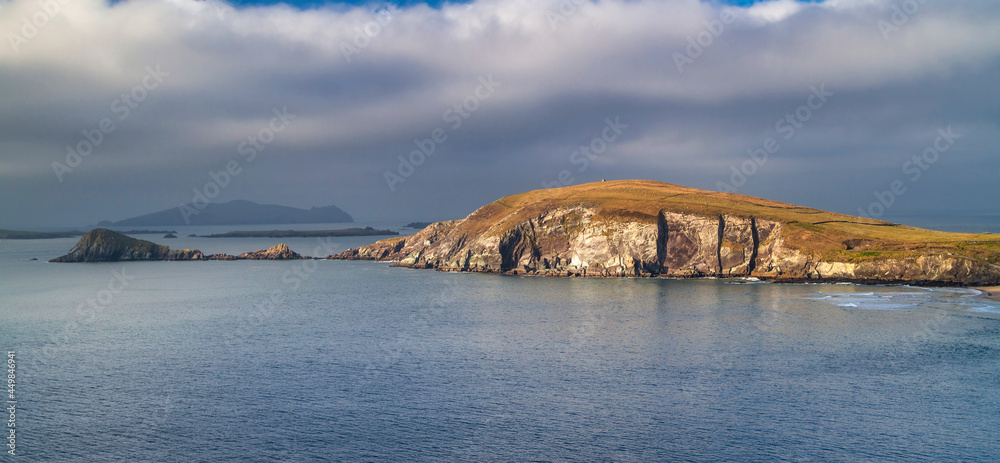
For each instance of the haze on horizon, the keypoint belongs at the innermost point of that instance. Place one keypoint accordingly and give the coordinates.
(848, 98)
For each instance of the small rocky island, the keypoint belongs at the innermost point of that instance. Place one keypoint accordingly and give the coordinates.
(642, 228)
(101, 245)
(367, 231)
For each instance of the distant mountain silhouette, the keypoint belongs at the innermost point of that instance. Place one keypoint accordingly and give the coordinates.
(239, 212)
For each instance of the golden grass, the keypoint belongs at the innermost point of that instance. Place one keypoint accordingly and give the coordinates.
(806, 228)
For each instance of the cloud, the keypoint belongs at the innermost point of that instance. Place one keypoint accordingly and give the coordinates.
(698, 83)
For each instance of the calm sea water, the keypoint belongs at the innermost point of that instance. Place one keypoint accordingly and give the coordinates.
(356, 361)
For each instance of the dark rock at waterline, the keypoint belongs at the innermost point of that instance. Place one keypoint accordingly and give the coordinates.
(102, 245)
(641, 228)
(279, 252)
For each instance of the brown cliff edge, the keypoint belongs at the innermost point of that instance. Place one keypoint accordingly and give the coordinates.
(641, 228)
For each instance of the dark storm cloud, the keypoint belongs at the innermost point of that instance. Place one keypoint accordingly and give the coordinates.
(692, 111)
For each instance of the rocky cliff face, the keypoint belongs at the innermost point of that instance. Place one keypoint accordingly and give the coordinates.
(586, 239)
(570, 242)
(101, 245)
(279, 252)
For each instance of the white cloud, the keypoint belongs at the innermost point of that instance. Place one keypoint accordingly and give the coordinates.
(774, 11)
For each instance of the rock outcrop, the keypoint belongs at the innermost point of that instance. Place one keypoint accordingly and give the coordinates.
(648, 229)
(101, 245)
(184, 254)
(279, 252)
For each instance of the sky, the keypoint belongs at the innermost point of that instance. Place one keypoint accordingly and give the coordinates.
(410, 111)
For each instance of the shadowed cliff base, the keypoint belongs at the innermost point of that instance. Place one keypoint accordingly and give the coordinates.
(643, 228)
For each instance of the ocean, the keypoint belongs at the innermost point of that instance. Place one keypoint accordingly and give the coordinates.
(355, 361)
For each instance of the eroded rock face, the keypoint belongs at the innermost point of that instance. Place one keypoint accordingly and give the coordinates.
(184, 254)
(572, 241)
(576, 241)
(279, 252)
(927, 269)
(102, 245)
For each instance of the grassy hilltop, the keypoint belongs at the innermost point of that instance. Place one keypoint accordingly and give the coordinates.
(648, 228)
(837, 236)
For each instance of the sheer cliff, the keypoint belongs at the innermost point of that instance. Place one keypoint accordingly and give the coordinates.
(644, 229)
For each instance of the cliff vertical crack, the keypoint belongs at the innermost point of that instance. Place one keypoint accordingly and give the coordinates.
(718, 249)
(508, 249)
(662, 236)
(756, 242)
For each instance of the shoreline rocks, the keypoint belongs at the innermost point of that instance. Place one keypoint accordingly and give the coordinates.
(278, 252)
(102, 245)
(674, 232)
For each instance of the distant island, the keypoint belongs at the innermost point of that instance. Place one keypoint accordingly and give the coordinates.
(32, 235)
(239, 212)
(643, 228)
(146, 232)
(367, 231)
(101, 245)
(417, 225)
